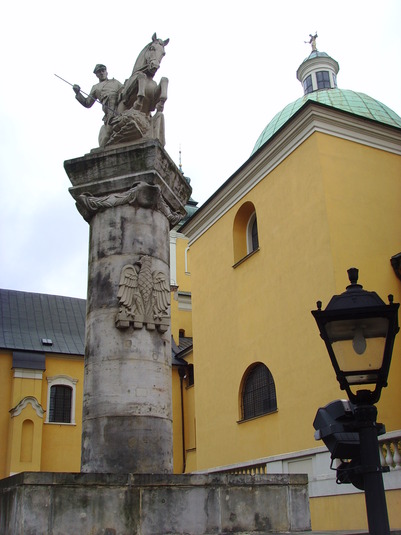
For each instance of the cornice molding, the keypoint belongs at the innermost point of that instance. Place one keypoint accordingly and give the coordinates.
(311, 118)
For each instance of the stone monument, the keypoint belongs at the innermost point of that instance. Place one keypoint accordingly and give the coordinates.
(131, 194)
(127, 108)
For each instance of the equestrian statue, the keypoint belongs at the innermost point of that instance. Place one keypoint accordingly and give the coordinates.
(128, 107)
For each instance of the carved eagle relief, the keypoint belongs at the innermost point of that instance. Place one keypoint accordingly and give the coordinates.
(144, 297)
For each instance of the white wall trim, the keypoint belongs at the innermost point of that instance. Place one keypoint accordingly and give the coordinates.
(28, 400)
(62, 380)
(24, 373)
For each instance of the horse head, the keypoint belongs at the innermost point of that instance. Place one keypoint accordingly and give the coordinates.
(150, 58)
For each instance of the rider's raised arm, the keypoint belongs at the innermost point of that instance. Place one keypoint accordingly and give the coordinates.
(88, 101)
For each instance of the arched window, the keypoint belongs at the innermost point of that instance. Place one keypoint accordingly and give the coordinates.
(61, 399)
(245, 232)
(258, 392)
(252, 234)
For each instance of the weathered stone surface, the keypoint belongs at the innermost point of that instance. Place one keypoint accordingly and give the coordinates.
(153, 504)
(116, 170)
(130, 197)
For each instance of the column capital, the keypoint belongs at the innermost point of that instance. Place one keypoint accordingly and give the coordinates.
(115, 173)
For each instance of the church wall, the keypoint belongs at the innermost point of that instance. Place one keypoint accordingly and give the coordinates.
(190, 421)
(61, 444)
(177, 423)
(364, 215)
(259, 311)
(5, 404)
(349, 511)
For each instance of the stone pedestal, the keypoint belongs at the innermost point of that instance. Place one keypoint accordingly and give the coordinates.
(111, 504)
(131, 197)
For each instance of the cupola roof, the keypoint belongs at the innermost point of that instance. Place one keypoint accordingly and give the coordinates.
(318, 76)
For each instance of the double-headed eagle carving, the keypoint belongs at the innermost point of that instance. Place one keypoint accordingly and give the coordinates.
(144, 297)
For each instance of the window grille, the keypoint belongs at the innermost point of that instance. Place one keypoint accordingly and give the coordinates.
(259, 393)
(60, 404)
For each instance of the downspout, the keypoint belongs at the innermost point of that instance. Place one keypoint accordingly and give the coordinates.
(182, 374)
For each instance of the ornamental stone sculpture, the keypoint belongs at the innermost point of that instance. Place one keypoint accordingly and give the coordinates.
(128, 107)
(144, 297)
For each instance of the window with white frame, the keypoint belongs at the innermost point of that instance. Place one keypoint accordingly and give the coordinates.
(61, 394)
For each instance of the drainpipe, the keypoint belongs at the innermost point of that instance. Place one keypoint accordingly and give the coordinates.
(182, 374)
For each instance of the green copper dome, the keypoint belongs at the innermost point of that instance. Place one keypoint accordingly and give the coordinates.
(342, 99)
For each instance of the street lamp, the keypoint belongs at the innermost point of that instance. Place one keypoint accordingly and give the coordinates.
(359, 329)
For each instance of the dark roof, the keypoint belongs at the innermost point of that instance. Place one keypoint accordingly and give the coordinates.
(31, 322)
(41, 322)
(178, 352)
(29, 360)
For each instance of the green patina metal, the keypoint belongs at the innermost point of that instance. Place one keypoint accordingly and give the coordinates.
(342, 99)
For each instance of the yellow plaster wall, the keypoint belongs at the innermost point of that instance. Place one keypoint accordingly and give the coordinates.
(178, 463)
(23, 387)
(61, 445)
(348, 512)
(260, 311)
(190, 421)
(5, 403)
(18, 442)
(363, 208)
(188, 442)
(181, 320)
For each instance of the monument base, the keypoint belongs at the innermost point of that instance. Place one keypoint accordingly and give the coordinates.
(38, 503)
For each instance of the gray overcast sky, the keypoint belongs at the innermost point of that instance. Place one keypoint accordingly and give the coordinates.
(231, 66)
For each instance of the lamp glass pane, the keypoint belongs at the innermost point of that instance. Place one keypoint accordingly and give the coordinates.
(347, 328)
(367, 363)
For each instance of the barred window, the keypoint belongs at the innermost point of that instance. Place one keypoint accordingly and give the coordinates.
(60, 404)
(259, 393)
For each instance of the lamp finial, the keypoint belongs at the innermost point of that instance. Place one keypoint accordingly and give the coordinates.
(353, 275)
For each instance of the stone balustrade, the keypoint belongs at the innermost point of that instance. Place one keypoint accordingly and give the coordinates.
(390, 450)
(316, 462)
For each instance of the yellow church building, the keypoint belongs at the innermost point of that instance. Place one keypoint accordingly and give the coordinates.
(319, 194)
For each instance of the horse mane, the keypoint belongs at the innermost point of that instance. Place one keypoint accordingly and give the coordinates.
(140, 61)
(140, 64)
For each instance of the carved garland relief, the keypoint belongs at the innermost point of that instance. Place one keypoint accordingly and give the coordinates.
(140, 194)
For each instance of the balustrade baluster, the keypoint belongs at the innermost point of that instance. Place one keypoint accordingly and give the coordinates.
(389, 456)
(396, 455)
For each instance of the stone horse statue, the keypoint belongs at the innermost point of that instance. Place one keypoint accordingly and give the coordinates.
(139, 97)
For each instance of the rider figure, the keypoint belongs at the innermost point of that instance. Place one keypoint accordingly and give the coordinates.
(106, 92)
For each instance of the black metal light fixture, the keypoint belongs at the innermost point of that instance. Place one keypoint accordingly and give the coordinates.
(359, 329)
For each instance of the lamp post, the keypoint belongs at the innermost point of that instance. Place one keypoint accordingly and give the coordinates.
(359, 329)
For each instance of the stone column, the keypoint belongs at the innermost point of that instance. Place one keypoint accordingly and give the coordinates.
(130, 196)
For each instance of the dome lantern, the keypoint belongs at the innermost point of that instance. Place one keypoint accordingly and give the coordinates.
(318, 70)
